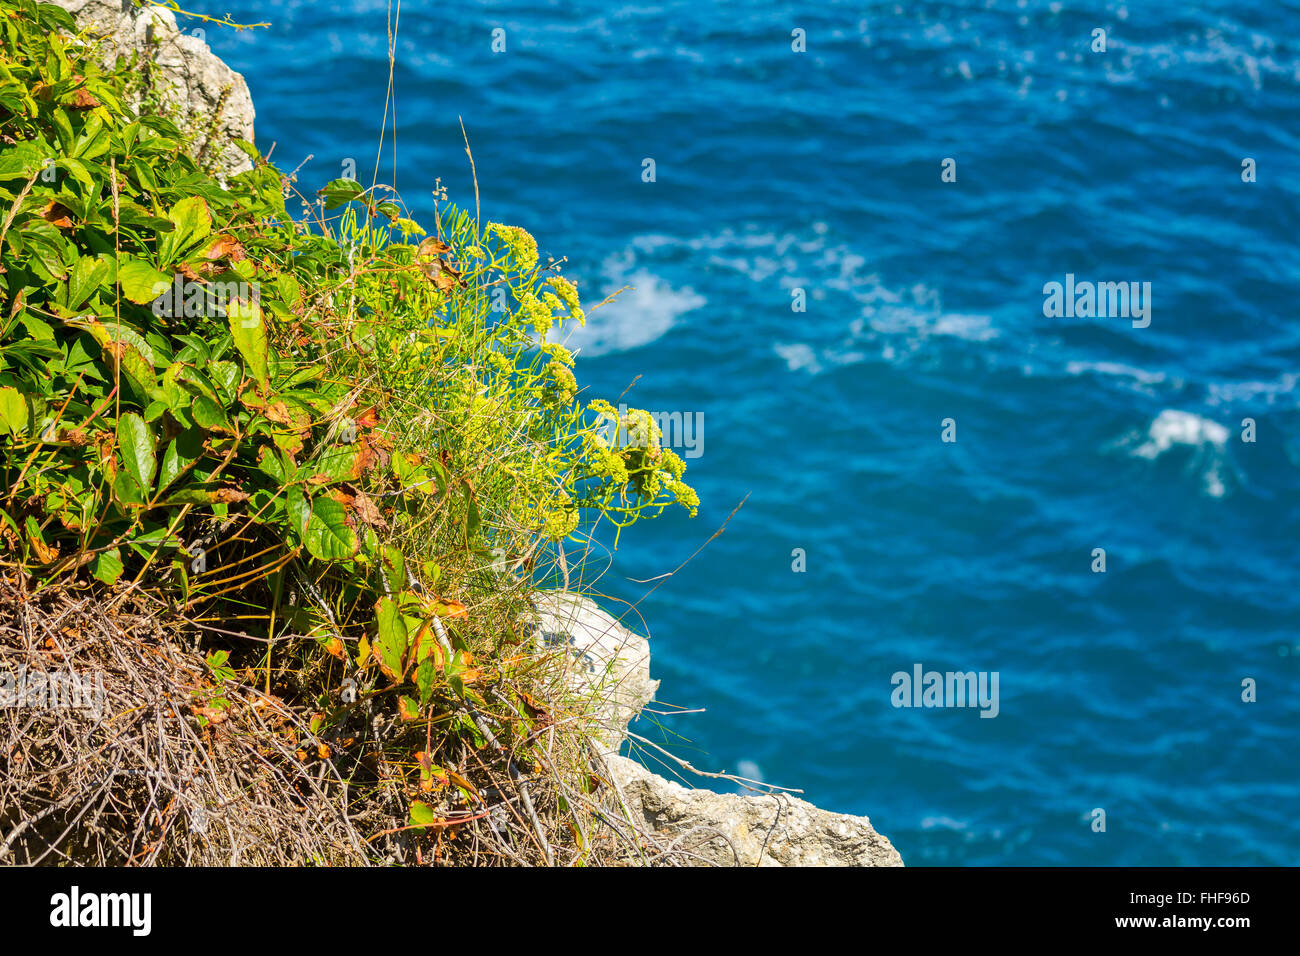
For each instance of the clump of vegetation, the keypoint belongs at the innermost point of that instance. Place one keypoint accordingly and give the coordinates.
(338, 451)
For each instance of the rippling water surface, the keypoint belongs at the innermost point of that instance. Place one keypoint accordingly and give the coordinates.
(820, 171)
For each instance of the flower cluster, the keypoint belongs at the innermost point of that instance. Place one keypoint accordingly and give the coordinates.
(562, 385)
(568, 295)
(522, 246)
(639, 461)
(533, 311)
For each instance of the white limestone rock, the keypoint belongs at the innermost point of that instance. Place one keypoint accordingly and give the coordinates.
(610, 666)
(726, 829)
(210, 99)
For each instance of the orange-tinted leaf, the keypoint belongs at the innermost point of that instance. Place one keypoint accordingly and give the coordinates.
(56, 214)
(445, 607)
(368, 512)
(82, 100)
(44, 553)
(278, 412)
(407, 708)
(432, 247)
(425, 645)
(365, 460)
(214, 715)
(226, 247)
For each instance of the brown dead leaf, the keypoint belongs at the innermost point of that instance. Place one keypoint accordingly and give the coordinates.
(44, 553)
(432, 246)
(279, 413)
(83, 100)
(215, 715)
(365, 459)
(226, 247)
(368, 512)
(443, 275)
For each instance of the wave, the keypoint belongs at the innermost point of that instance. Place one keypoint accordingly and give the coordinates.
(645, 309)
(1207, 438)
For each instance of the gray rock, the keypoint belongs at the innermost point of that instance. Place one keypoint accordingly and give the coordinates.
(609, 666)
(723, 829)
(206, 98)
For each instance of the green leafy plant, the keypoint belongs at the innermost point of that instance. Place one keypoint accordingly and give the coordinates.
(325, 431)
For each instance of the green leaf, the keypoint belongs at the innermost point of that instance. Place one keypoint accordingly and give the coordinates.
(190, 496)
(43, 244)
(298, 508)
(270, 463)
(141, 282)
(139, 454)
(472, 520)
(425, 675)
(127, 492)
(391, 640)
(432, 572)
(193, 222)
(248, 329)
(93, 141)
(13, 412)
(107, 566)
(329, 537)
(225, 376)
(78, 171)
(208, 414)
(422, 814)
(20, 161)
(394, 566)
(336, 463)
(339, 191)
(182, 451)
(88, 274)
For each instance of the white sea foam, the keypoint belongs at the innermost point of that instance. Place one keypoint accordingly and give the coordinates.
(942, 823)
(1235, 393)
(1209, 439)
(1172, 427)
(636, 317)
(799, 357)
(1116, 370)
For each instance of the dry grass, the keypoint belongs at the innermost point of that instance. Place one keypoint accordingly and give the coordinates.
(138, 778)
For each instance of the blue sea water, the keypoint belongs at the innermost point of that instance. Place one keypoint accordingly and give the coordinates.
(820, 171)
